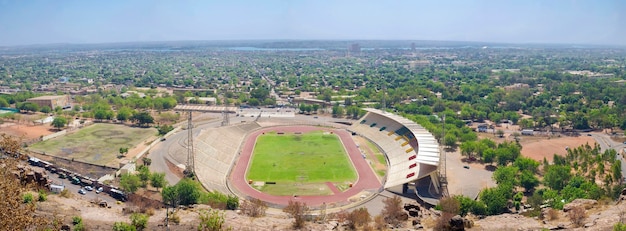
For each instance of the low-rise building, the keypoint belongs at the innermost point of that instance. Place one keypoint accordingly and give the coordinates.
(52, 101)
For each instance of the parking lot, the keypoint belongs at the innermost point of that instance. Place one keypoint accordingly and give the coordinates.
(73, 188)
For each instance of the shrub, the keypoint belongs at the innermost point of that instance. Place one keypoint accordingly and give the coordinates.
(232, 202)
(553, 214)
(174, 218)
(392, 210)
(77, 220)
(139, 220)
(619, 227)
(358, 217)
(211, 220)
(123, 226)
(78, 223)
(79, 227)
(577, 215)
(42, 196)
(379, 222)
(254, 207)
(297, 210)
(28, 198)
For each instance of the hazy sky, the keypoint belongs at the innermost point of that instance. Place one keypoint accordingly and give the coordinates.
(521, 21)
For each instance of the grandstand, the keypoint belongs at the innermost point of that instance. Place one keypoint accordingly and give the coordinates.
(412, 152)
(215, 151)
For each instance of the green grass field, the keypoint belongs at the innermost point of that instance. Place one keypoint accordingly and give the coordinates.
(313, 157)
(96, 144)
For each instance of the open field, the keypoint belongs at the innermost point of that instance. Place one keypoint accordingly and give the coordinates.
(538, 148)
(313, 157)
(27, 132)
(96, 144)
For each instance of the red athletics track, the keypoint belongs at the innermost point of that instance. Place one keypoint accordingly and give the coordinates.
(366, 178)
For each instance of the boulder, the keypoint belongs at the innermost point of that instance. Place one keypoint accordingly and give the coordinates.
(408, 207)
(418, 226)
(586, 203)
(413, 212)
(457, 223)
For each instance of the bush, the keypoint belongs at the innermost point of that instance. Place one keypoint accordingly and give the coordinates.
(379, 222)
(392, 210)
(77, 220)
(553, 214)
(78, 223)
(297, 210)
(358, 217)
(174, 218)
(66, 193)
(42, 196)
(123, 226)
(577, 215)
(79, 227)
(28, 198)
(232, 202)
(139, 220)
(619, 227)
(468, 205)
(211, 220)
(254, 207)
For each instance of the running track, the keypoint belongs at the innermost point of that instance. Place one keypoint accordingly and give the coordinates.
(367, 180)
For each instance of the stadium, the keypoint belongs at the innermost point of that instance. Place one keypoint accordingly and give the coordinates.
(223, 155)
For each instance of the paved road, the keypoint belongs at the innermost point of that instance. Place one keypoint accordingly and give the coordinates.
(605, 142)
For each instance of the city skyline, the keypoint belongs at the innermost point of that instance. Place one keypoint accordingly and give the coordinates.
(560, 22)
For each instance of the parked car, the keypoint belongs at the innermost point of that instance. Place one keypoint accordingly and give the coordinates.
(99, 190)
(88, 188)
(82, 191)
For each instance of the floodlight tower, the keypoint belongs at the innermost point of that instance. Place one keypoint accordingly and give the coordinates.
(190, 156)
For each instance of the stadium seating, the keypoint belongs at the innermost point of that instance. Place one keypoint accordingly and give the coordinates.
(215, 152)
(412, 152)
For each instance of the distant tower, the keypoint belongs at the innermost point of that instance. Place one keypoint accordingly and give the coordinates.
(413, 47)
(354, 48)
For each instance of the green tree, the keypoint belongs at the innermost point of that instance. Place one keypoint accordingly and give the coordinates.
(139, 220)
(506, 175)
(468, 149)
(449, 140)
(4, 102)
(557, 176)
(188, 191)
(525, 163)
(143, 118)
(528, 180)
(489, 156)
(157, 180)
(130, 183)
(59, 122)
(170, 196)
(124, 114)
(45, 109)
(495, 199)
(144, 175)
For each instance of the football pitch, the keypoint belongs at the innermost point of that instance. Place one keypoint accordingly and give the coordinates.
(95, 144)
(312, 157)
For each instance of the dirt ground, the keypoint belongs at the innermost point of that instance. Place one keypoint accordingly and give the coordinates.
(27, 132)
(540, 147)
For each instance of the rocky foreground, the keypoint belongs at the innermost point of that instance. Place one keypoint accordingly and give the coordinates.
(598, 216)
